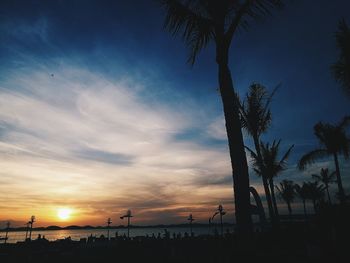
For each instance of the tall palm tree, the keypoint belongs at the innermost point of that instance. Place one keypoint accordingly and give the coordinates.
(256, 119)
(287, 193)
(341, 69)
(326, 178)
(200, 22)
(303, 192)
(334, 141)
(271, 166)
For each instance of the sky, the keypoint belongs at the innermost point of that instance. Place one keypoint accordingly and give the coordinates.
(99, 112)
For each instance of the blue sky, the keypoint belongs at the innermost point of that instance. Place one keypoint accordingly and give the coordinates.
(97, 102)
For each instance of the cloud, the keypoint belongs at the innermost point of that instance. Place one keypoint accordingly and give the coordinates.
(217, 129)
(74, 135)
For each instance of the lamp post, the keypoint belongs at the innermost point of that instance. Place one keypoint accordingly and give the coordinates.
(209, 221)
(108, 224)
(221, 212)
(128, 216)
(7, 231)
(32, 220)
(191, 219)
(27, 229)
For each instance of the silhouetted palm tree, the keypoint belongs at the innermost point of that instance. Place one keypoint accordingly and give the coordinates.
(303, 193)
(315, 193)
(334, 141)
(287, 193)
(202, 21)
(341, 69)
(326, 178)
(256, 119)
(271, 166)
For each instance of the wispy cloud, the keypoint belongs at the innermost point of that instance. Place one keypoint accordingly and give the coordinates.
(70, 135)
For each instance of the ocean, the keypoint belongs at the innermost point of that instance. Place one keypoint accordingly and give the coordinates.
(77, 234)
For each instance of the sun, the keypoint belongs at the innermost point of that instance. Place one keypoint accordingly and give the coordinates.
(64, 213)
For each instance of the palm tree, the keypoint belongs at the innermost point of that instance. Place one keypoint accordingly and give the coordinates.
(341, 69)
(303, 193)
(315, 193)
(202, 21)
(256, 119)
(326, 178)
(271, 166)
(287, 193)
(334, 141)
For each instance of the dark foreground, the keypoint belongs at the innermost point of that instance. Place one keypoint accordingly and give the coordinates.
(325, 239)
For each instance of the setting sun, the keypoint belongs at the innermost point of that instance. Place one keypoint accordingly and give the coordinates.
(64, 213)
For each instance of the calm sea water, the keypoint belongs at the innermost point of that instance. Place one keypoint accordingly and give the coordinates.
(52, 235)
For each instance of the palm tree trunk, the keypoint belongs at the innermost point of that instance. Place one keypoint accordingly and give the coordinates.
(264, 179)
(329, 197)
(272, 190)
(289, 210)
(304, 204)
(314, 203)
(340, 185)
(236, 145)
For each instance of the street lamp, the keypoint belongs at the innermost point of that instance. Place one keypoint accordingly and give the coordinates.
(7, 231)
(128, 216)
(109, 221)
(31, 222)
(191, 219)
(221, 212)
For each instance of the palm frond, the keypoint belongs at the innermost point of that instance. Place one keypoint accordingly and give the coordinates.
(316, 177)
(197, 29)
(255, 112)
(345, 122)
(341, 69)
(252, 153)
(241, 12)
(286, 155)
(311, 157)
(269, 99)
